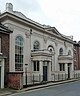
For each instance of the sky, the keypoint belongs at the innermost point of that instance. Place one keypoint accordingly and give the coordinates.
(62, 14)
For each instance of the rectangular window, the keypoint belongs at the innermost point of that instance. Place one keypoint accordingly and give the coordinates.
(36, 65)
(62, 67)
(18, 62)
(51, 65)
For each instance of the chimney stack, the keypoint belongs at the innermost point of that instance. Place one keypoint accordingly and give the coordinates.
(9, 7)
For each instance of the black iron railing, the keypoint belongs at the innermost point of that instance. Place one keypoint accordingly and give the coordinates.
(54, 77)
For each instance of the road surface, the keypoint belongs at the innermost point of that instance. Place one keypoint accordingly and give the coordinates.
(68, 89)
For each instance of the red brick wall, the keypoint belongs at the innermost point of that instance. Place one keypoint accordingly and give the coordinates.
(77, 57)
(5, 50)
(14, 80)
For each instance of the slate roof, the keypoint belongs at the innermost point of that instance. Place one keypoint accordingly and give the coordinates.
(4, 29)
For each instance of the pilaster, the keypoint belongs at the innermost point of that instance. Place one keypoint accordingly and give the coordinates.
(2, 74)
(49, 71)
(41, 70)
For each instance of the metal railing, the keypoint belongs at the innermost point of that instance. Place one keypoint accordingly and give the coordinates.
(76, 75)
(55, 77)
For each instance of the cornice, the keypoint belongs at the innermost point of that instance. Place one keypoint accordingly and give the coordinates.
(32, 24)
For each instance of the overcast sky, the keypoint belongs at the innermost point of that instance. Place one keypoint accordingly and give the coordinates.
(62, 14)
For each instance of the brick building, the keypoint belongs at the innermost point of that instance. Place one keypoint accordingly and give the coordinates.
(77, 56)
(4, 54)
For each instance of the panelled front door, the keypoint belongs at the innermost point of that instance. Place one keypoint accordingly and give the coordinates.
(68, 71)
(44, 73)
(0, 77)
(26, 75)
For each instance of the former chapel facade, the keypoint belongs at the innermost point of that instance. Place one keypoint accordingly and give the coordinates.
(36, 50)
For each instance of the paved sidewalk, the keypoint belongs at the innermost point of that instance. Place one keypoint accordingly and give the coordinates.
(8, 91)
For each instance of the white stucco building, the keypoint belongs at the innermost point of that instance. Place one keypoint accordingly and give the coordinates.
(37, 50)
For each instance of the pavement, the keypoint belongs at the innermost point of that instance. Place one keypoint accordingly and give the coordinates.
(8, 91)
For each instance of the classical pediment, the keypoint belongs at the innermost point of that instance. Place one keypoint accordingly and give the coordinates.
(53, 30)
